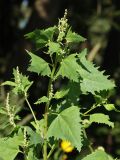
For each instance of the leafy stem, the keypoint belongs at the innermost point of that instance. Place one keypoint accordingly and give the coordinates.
(46, 111)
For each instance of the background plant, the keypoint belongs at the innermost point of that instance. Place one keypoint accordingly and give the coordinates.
(64, 118)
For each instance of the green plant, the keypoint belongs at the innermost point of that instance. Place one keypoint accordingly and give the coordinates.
(64, 117)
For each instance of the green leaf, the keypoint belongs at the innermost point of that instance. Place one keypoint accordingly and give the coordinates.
(9, 147)
(35, 138)
(54, 47)
(43, 99)
(101, 118)
(110, 107)
(92, 79)
(67, 126)
(74, 93)
(3, 111)
(23, 84)
(41, 37)
(40, 128)
(31, 155)
(38, 65)
(98, 155)
(73, 37)
(62, 93)
(69, 68)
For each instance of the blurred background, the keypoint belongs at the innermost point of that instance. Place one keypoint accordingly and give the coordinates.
(96, 20)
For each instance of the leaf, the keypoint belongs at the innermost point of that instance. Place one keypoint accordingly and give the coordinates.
(40, 128)
(98, 155)
(23, 85)
(38, 65)
(35, 138)
(69, 68)
(101, 118)
(66, 126)
(74, 37)
(110, 107)
(41, 37)
(92, 79)
(9, 147)
(43, 99)
(74, 93)
(54, 47)
(62, 93)
(3, 112)
(31, 155)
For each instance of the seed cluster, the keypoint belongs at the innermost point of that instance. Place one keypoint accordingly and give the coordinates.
(9, 112)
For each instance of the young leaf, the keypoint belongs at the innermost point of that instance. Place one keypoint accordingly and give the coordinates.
(38, 65)
(69, 68)
(67, 126)
(101, 118)
(73, 37)
(54, 47)
(21, 83)
(41, 37)
(62, 93)
(110, 107)
(92, 79)
(98, 155)
(9, 147)
(43, 99)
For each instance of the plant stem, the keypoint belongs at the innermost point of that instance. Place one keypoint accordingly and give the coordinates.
(92, 108)
(46, 112)
(89, 146)
(51, 151)
(31, 110)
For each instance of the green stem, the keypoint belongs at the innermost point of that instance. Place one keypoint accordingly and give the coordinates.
(46, 112)
(89, 146)
(31, 110)
(51, 151)
(92, 108)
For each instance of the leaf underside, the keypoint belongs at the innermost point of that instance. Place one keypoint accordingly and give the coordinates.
(101, 118)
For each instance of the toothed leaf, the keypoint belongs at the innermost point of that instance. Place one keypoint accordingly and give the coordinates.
(74, 37)
(62, 93)
(101, 118)
(43, 99)
(54, 47)
(93, 80)
(9, 147)
(41, 37)
(69, 68)
(98, 155)
(38, 65)
(67, 126)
